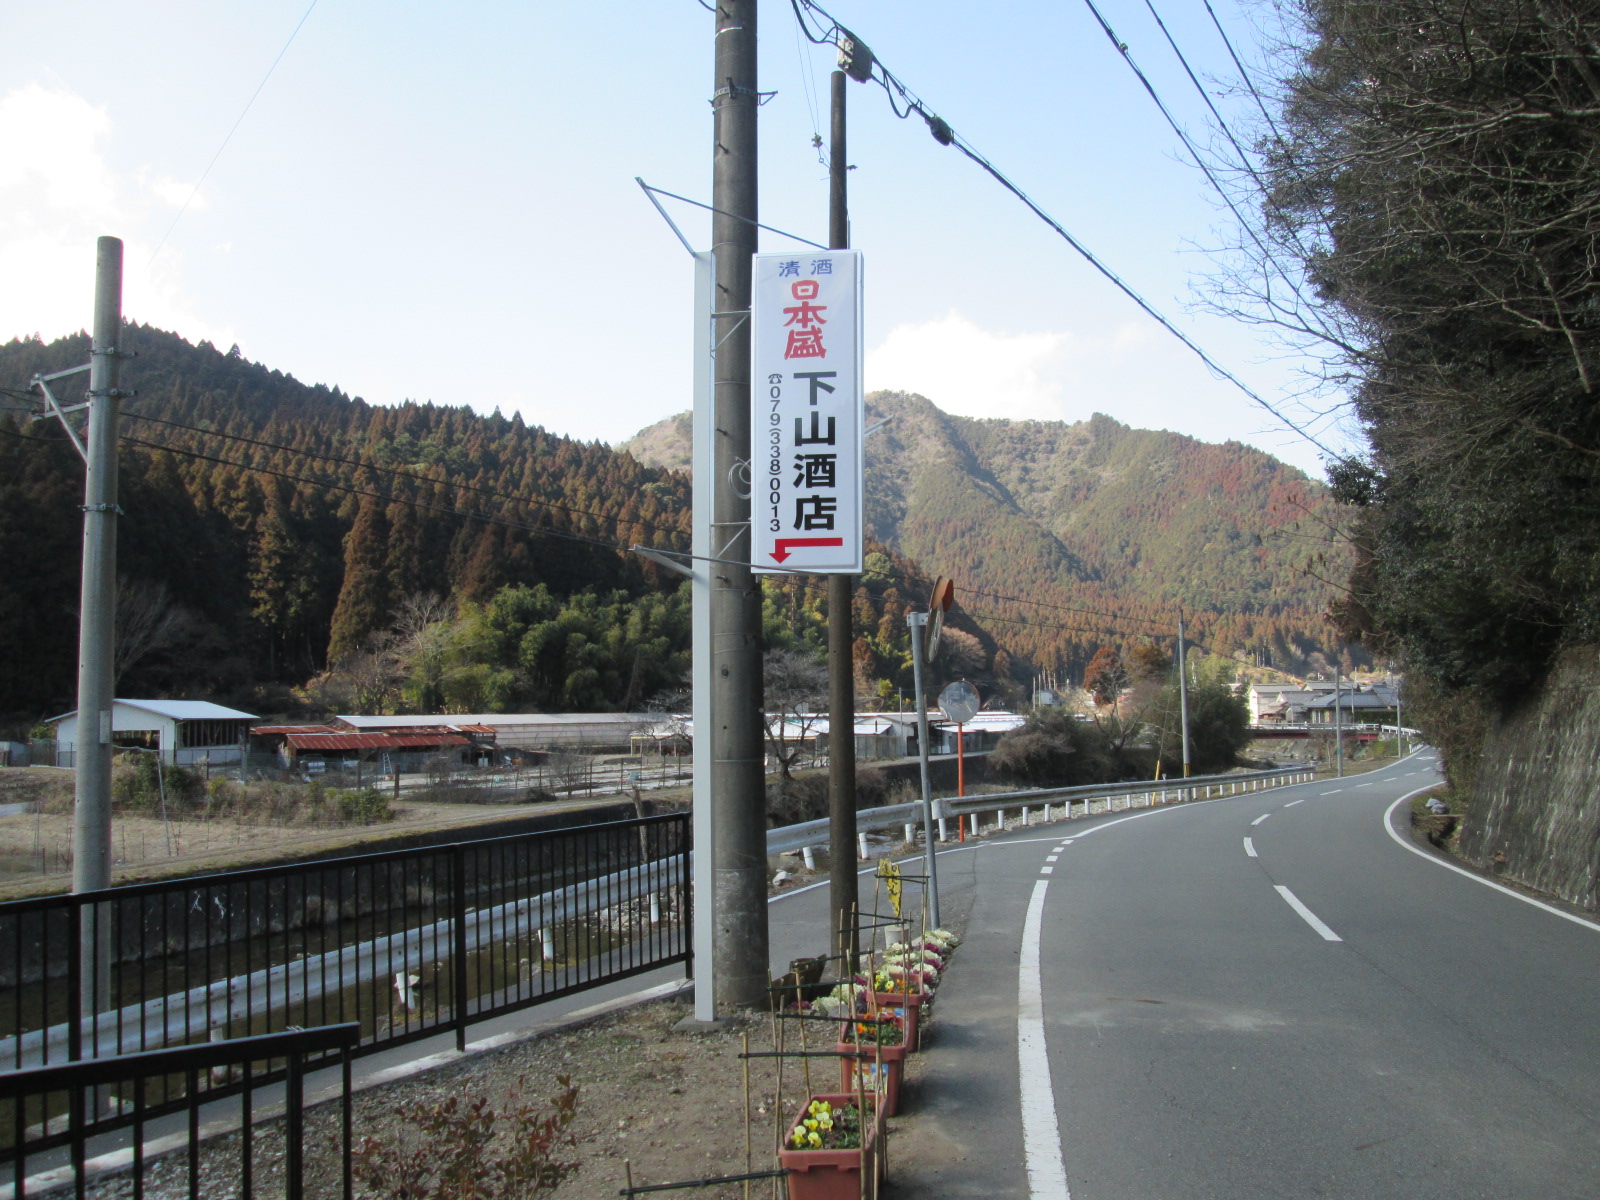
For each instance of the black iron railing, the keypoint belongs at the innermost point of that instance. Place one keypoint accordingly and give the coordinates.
(64, 1107)
(404, 945)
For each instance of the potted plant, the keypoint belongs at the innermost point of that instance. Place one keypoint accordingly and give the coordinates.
(900, 994)
(832, 1153)
(873, 1050)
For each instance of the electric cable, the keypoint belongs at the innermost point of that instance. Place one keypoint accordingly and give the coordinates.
(195, 191)
(945, 135)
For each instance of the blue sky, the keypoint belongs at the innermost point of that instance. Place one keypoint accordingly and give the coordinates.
(436, 201)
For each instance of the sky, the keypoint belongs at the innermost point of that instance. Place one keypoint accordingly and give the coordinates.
(437, 202)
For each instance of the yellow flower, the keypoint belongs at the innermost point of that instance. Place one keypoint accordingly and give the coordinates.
(815, 1139)
(809, 1123)
(819, 1106)
(824, 1122)
(799, 1139)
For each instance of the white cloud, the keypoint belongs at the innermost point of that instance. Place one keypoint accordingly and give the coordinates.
(59, 192)
(977, 372)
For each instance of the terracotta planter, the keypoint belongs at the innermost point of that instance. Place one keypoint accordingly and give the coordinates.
(890, 1060)
(908, 1007)
(836, 1174)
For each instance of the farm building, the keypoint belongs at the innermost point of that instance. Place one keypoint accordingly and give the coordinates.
(186, 732)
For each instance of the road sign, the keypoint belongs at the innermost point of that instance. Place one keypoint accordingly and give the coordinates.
(807, 413)
(960, 702)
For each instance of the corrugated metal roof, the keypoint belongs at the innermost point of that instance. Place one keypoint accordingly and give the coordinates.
(497, 720)
(373, 741)
(179, 710)
(271, 730)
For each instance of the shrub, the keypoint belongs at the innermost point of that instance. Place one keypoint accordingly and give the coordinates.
(463, 1157)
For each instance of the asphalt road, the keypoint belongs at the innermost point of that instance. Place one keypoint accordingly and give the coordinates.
(1318, 1011)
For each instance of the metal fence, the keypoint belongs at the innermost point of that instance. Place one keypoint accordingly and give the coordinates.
(48, 1110)
(405, 945)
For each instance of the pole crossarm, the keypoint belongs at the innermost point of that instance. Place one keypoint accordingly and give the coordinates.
(55, 407)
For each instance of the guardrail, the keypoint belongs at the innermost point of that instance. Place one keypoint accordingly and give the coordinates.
(45, 1109)
(908, 817)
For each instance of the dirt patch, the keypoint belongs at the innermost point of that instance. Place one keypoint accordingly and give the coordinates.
(670, 1102)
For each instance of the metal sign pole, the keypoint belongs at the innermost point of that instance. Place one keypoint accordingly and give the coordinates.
(705, 911)
(916, 621)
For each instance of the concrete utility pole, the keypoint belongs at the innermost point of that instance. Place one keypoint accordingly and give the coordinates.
(91, 818)
(1183, 693)
(1399, 726)
(843, 893)
(738, 769)
(91, 849)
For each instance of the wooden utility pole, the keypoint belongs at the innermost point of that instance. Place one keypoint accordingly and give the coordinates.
(738, 772)
(843, 894)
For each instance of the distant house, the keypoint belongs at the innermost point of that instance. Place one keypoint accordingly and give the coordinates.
(184, 732)
(1285, 703)
(1366, 707)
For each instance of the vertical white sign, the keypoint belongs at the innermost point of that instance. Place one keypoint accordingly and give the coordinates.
(807, 413)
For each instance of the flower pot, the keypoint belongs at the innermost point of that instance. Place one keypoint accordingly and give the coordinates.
(836, 1174)
(908, 1007)
(890, 1060)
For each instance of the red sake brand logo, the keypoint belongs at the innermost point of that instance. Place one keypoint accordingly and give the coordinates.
(805, 320)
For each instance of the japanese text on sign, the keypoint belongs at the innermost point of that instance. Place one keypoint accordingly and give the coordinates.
(806, 423)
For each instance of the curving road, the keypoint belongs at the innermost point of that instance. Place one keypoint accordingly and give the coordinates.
(1268, 995)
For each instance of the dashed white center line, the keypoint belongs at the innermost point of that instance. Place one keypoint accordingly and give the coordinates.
(1047, 870)
(1260, 819)
(1051, 857)
(1250, 848)
(1331, 791)
(1310, 917)
(1292, 803)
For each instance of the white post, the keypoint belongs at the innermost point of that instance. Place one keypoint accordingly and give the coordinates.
(655, 908)
(861, 844)
(808, 858)
(911, 836)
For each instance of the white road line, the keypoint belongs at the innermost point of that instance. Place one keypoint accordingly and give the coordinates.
(1052, 857)
(1041, 1131)
(1292, 803)
(1250, 848)
(1331, 791)
(1046, 870)
(1388, 825)
(1311, 918)
(1262, 818)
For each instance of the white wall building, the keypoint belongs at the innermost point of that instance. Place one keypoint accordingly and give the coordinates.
(186, 732)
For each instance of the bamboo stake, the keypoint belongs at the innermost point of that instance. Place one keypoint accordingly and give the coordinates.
(745, 1038)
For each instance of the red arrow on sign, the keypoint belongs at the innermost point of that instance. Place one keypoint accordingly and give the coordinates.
(780, 548)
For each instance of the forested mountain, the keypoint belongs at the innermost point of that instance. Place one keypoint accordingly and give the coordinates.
(286, 523)
(278, 535)
(291, 547)
(1098, 531)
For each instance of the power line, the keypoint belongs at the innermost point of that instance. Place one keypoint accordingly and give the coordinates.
(235, 129)
(900, 95)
